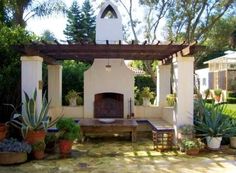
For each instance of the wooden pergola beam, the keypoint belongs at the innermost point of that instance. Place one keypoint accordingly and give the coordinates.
(86, 51)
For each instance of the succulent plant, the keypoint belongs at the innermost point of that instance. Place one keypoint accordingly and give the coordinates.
(32, 120)
(13, 145)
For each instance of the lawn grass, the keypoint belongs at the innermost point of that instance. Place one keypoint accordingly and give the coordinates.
(231, 107)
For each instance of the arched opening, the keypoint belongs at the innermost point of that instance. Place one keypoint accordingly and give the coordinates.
(109, 13)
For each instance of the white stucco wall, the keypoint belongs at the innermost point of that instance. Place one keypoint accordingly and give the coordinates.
(202, 74)
(108, 28)
(147, 112)
(97, 80)
(31, 77)
(140, 112)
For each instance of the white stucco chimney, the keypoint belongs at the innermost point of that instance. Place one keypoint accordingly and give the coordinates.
(120, 79)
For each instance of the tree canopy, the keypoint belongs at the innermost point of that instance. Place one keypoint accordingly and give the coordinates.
(80, 22)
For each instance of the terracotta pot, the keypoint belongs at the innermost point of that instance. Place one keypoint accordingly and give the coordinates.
(39, 155)
(33, 137)
(3, 131)
(217, 99)
(7, 158)
(65, 146)
(192, 152)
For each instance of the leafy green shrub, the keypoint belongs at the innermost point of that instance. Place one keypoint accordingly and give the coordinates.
(39, 146)
(189, 144)
(171, 99)
(209, 100)
(147, 93)
(232, 94)
(217, 92)
(73, 77)
(68, 129)
(231, 100)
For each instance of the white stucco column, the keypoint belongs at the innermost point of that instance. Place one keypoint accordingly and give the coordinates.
(163, 84)
(31, 78)
(184, 84)
(55, 85)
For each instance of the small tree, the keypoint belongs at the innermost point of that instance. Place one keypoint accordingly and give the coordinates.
(74, 23)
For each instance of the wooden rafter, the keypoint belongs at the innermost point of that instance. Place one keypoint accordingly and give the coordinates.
(88, 51)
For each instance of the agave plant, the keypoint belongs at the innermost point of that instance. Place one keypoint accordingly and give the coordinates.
(32, 119)
(211, 120)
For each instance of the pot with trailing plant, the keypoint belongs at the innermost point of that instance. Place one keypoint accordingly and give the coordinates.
(192, 146)
(13, 151)
(213, 124)
(217, 94)
(38, 150)
(69, 130)
(147, 95)
(71, 97)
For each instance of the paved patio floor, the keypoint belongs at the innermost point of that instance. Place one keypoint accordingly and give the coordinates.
(121, 156)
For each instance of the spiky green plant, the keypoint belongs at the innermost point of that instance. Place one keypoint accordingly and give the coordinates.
(32, 119)
(213, 122)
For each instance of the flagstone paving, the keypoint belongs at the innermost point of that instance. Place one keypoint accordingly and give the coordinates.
(112, 156)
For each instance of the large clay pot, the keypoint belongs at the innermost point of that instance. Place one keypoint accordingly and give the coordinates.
(7, 158)
(33, 137)
(39, 155)
(65, 146)
(3, 131)
(192, 152)
(213, 143)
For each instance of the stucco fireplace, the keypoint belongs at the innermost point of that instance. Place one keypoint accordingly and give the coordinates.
(109, 105)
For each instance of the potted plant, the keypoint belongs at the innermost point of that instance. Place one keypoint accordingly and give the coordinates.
(3, 131)
(186, 131)
(171, 99)
(213, 124)
(50, 141)
(69, 130)
(217, 93)
(233, 132)
(72, 97)
(13, 151)
(192, 146)
(147, 94)
(34, 125)
(38, 150)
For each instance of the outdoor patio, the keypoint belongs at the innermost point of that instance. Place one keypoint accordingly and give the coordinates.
(120, 155)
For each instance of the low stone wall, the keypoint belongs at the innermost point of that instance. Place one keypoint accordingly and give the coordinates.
(147, 112)
(68, 111)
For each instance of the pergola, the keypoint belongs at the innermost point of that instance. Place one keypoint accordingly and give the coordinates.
(52, 53)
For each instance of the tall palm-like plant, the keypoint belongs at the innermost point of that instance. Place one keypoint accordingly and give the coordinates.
(23, 10)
